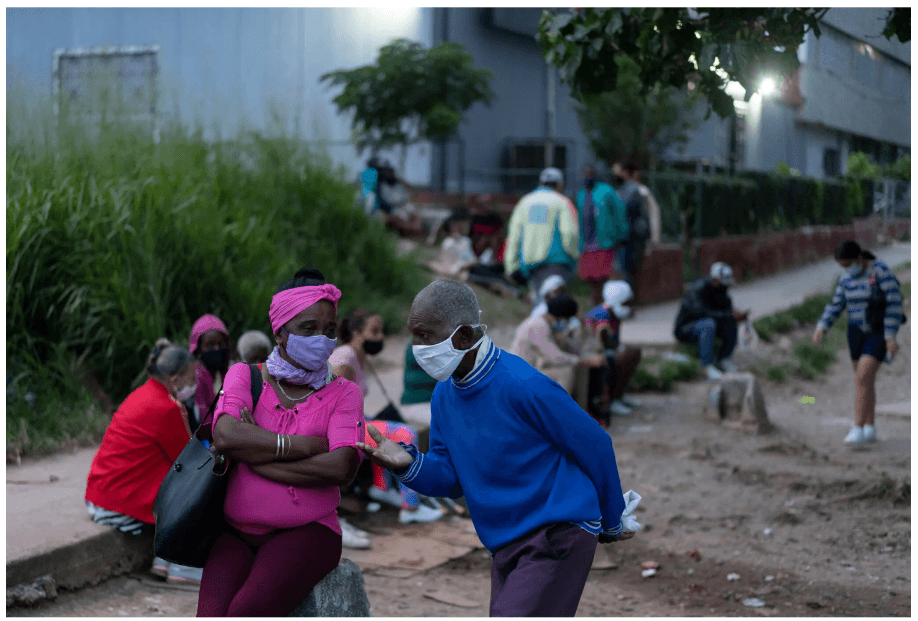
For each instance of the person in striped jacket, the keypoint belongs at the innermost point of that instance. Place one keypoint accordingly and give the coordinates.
(870, 292)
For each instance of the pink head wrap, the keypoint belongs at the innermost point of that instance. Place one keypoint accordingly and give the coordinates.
(288, 304)
(202, 325)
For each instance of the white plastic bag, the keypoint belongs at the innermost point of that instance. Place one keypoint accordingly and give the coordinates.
(748, 337)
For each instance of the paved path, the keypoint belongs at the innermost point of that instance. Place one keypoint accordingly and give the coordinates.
(653, 325)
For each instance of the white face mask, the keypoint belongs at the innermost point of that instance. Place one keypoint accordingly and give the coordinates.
(441, 360)
(187, 392)
(621, 311)
(855, 270)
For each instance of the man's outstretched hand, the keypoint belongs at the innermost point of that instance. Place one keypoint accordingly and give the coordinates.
(387, 453)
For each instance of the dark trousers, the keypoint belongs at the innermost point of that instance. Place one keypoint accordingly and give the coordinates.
(543, 573)
(266, 575)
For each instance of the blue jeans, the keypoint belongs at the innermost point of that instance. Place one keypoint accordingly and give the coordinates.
(704, 331)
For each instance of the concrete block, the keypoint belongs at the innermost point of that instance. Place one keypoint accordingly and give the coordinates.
(340, 594)
(737, 402)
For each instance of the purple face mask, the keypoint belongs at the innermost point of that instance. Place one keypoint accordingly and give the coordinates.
(310, 352)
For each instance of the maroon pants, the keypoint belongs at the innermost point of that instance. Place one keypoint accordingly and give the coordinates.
(266, 575)
(542, 574)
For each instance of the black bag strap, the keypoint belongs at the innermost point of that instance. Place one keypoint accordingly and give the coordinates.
(378, 381)
(257, 382)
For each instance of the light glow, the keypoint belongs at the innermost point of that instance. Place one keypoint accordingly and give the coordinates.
(768, 86)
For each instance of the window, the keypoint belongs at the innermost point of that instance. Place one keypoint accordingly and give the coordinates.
(107, 84)
(830, 161)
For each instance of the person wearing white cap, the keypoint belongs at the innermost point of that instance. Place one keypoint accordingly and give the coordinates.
(543, 235)
(707, 313)
(621, 362)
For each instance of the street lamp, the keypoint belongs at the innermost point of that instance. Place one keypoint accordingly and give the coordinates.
(768, 86)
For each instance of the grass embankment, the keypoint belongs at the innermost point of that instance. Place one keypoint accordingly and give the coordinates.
(115, 241)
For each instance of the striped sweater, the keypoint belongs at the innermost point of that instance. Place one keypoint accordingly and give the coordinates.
(877, 283)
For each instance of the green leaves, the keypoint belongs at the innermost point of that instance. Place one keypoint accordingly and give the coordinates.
(410, 94)
(747, 42)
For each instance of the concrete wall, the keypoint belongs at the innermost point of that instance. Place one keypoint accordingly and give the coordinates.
(846, 90)
(520, 108)
(228, 68)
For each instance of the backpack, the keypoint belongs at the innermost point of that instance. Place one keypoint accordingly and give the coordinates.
(636, 209)
(875, 315)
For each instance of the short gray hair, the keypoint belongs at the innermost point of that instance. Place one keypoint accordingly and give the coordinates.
(448, 301)
(167, 359)
(252, 340)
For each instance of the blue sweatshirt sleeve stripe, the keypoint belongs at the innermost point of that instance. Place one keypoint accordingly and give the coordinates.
(564, 423)
(889, 286)
(834, 308)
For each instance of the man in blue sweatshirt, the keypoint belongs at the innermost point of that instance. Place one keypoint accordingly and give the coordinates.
(538, 473)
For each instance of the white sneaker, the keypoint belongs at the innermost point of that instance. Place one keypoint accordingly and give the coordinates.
(630, 402)
(160, 567)
(855, 436)
(352, 537)
(389, 496)
(870, 433)
(423, 514)
(713, 372)
(180, 574)
(728, 367)
(619, 409)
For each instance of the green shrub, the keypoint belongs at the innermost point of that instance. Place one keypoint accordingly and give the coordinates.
(115, 241)
(860, 165)
(658, 374)
(813, 361)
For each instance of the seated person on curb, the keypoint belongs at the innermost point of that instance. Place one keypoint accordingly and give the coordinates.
(145, 437)
(292, 451)
(604, 321)
(707, 313)
(456, 255)
(210, 344)
(569, 334)
(254, 347)
(362, 335)
(534, 342)
(539, 475)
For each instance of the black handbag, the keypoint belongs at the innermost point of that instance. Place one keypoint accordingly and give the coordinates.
(188, 510)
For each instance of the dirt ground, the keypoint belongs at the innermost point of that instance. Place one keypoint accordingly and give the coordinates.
(811, 527)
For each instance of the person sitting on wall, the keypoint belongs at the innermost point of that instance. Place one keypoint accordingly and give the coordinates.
(604, 321)
(707, 313)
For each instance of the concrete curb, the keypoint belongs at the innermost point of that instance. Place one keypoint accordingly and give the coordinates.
(85, 562)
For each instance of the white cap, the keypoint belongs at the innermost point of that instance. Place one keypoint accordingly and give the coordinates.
(723, 273)
(551, 175)
(616, 292)
(551, 283)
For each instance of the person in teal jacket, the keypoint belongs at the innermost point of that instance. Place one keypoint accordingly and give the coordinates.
(603, 225)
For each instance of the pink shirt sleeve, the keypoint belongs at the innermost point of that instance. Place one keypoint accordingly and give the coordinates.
(541, 338)
(237, 392)
(346, 424)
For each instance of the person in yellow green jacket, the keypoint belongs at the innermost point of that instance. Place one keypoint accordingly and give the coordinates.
(543, 234)
(603, 226)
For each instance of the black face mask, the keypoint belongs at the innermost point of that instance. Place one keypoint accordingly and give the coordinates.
(589, 182)
(619, 180)
(215, 359)
(372, 347)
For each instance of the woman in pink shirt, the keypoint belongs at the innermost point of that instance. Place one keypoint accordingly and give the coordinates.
(293, 450)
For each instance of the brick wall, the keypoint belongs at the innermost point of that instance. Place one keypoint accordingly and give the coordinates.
(661, 275)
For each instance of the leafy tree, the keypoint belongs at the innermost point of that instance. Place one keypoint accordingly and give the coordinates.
(410, 94)
(899, 24)
(673, 46)
(902, 168)
(860, 165)
(629, 124)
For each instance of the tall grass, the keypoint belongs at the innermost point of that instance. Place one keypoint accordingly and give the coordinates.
(114, 240)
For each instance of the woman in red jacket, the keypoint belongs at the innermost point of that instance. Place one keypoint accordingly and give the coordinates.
(145, 437)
